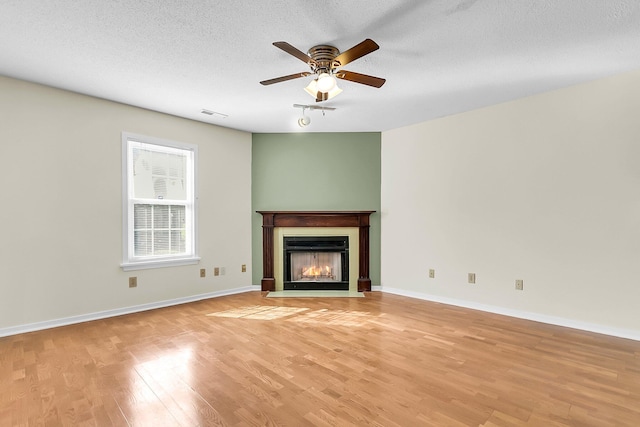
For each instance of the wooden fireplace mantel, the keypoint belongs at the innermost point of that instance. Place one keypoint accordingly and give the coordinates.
(271, 219)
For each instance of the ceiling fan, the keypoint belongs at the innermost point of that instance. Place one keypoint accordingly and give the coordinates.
(325, 62)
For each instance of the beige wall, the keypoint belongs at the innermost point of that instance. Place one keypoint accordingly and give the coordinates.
(544, 189)
(61, 245)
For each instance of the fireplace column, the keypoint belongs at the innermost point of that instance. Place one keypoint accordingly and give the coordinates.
(364, 281)
(268, 280)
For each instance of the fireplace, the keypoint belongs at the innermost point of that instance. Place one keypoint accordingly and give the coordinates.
(316, 263)
(308, 220)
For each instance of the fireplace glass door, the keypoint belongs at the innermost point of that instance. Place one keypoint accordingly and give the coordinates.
(316, 266)
(316, 262)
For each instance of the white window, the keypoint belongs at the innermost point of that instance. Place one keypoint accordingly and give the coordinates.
(159, 202)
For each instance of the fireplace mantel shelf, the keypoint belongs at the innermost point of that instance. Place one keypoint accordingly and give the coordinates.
(271, 219)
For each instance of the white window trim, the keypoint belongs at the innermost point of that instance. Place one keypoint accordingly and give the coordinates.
(128, 264)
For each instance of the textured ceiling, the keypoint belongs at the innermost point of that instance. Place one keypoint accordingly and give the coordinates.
(439, 57)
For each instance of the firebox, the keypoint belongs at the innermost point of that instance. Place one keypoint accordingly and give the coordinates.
(316, 262)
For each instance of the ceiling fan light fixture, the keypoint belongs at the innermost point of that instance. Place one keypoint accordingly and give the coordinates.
(326, 82)
(313, 89)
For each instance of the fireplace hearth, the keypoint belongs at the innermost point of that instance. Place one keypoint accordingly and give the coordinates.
(316, 263)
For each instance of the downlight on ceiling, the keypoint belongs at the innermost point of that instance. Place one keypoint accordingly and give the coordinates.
(306, 120)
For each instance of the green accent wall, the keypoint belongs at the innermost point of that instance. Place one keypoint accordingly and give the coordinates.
(316, 171)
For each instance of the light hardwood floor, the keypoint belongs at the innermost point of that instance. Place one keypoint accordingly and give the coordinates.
(383, 360)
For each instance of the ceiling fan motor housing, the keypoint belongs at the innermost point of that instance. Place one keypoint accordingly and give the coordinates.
(323, 55)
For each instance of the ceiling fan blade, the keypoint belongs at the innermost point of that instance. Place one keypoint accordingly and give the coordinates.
(358, 51)
(285, 78)
(360, 78)
(295, 52)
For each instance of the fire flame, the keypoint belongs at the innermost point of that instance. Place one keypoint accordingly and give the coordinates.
(316, 271)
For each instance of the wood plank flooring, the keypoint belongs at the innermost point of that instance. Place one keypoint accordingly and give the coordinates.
(382, 360)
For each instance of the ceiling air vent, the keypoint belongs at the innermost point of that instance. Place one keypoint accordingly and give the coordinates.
(214, 113)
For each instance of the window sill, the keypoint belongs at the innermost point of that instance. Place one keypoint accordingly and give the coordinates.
(144, 265)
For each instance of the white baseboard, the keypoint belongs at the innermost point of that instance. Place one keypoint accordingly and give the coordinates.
(37, 326)
(537, 317)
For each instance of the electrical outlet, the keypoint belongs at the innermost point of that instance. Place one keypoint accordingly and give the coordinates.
(471, 277)
(203, 272)
(133, 282)
(244, 268)
(519, 285)
(216, 271)
(432, 273)
(222, 271)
